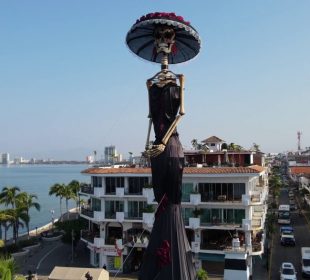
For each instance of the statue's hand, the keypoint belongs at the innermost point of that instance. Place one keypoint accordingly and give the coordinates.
(156, 150)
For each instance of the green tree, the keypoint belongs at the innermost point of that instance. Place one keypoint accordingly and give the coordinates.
(5, 220)
(68, 194)
(76, 187)
(9, 195)
(58, 191)
(27, 201)
(255, 147)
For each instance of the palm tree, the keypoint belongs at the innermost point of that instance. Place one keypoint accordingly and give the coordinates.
(5, 220)
(58, 191)
(19, 218)
(9, 195)
(27, 201)
(194, 143)
(76, 187)
(68, 194)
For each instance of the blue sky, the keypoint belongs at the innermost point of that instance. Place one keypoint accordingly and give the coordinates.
(69, 85)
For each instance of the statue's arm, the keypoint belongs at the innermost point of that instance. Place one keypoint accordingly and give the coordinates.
(147, 144)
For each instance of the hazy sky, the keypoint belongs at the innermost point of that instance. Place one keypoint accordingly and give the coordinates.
(69, 85)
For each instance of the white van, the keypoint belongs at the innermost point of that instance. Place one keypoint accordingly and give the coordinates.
(305, 261)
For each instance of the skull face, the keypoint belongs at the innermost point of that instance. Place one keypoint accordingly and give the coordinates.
(164, 38)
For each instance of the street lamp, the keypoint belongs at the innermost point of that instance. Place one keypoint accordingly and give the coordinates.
(52, 213)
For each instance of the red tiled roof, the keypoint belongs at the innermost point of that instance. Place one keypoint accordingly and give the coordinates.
(300, 169)
(187, 170)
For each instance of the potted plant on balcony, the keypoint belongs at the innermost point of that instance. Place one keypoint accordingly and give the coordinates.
(194, 222)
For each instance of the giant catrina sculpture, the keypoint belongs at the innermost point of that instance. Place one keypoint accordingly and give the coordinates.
(167, 39)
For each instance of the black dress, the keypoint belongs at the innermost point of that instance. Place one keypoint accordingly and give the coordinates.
(168, 255)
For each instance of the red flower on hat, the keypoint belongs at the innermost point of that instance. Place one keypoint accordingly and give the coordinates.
(171, 16)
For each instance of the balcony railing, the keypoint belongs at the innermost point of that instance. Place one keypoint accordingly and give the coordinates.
(133, 216)
(87, 212)
(220, 198)
(110, 215)
(87, 189)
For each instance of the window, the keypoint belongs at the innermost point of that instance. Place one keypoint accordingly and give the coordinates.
(228, 216)
(97, 181)
(186, 190)
(112, 183)
(113, 206)
(221, 191)
(206, 216)
(136, 184)
(186, 214)
(239, 190)
(239, 215)
(135, 208)
(96, 204)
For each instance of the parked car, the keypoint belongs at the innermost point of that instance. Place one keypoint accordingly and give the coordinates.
(287, 271)
(287, 239)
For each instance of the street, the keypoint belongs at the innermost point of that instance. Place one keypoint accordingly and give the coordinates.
(289, 254)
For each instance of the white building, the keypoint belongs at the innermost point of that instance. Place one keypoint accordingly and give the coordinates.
(217, 203)
(111, 155)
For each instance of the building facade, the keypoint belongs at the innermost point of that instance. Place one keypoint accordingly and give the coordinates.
(217, 203)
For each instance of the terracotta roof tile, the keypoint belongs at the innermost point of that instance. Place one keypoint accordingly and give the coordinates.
(300, 169)
(187, 170)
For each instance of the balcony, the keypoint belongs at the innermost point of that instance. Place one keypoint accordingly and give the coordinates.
(148, 218)
(194, 223)
(195, 198)
(220, 198)
(133, 216)
(87, 212)
(148, 193)
(99, 192)
(89, 236)
(99, 216)
(110, 215)
(120, 216)
(120, 192)
(87, 189)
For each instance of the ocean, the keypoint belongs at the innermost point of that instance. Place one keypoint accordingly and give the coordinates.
(37, 179)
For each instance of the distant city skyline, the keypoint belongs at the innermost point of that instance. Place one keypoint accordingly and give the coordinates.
(69, 85)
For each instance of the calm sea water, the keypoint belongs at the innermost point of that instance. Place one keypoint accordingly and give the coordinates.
(37, 179)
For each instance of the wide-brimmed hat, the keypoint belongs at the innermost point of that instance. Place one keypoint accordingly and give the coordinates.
(140, 38)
